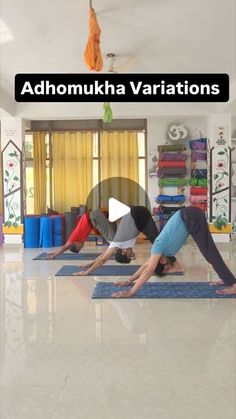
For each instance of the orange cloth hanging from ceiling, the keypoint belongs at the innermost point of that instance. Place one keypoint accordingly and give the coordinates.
(92, 53)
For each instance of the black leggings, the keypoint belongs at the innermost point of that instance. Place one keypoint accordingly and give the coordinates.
(197, 226)
(144, 222)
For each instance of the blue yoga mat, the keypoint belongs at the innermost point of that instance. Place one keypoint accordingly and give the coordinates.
(113, 270)
(31, 231)
(107, 270)
(70, 256)
(163, 290)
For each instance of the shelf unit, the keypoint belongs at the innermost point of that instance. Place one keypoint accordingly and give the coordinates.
(172, 172)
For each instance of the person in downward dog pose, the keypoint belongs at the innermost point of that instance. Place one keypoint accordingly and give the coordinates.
(187, 221)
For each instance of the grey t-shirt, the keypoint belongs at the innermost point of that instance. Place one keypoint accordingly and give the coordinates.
(126, 230)
(103, 225)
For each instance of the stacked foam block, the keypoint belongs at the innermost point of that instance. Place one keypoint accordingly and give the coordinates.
(43, 231)
(198, 181)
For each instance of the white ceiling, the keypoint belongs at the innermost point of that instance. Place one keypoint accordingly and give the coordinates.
(149, 36)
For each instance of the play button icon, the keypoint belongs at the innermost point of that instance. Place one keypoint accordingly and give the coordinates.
(120, 196)
(117, 209)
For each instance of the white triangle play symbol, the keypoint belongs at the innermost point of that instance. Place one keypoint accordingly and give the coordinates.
(117, 209)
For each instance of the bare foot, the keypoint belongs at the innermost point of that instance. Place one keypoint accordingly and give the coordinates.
(218, 282)
(229, 291)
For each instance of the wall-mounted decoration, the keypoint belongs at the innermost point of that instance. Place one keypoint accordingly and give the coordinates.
(12, 137)
(12, 163)
(177, 131)
(221, 136)
(220, 214)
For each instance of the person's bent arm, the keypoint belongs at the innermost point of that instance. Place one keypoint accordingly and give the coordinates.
(98, 262)
(144, 276)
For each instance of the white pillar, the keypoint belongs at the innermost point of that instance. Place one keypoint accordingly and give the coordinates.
(12, 138)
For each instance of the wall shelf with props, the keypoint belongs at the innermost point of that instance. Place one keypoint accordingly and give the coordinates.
(171, 171)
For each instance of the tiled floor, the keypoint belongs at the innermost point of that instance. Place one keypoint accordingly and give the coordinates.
(65, 356)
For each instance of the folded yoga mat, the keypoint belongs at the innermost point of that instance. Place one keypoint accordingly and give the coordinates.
(112, 270)
(172, 182)
(196, 190)
(69, 256)
(165, 199)
(195, 199)
(169, 172)
(163, 290)
(169, 163)
(172, 156)
(199, 173)
(171, 147)
(198, 182)
(31, 231)
(199, 165)
(198, 144)
(198, 156)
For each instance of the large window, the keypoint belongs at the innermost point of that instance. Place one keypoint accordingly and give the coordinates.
(97, 161)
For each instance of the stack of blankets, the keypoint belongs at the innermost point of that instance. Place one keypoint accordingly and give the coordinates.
(198, 181)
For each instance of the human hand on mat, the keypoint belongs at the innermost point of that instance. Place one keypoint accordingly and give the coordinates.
(49, 256)
(122, 283)
(88, 265)
(122, 294)
(80, 273)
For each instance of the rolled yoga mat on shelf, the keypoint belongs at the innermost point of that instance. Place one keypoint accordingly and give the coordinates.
(198, 144)
(170, 172)
(172, 199)
(199, 156)
(198, 182)
(107, 270)
(199, 173)
(46, 232)
(197, 190)
(31, 231)
(171, 147)
(172, 182)
(172, 156)
(70, 223)
(163, 290)
(170, 163)
(195, 199)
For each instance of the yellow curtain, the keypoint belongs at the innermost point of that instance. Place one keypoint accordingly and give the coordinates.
(119, 158)
(72, 154)
(1, 197)
(39, 162)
